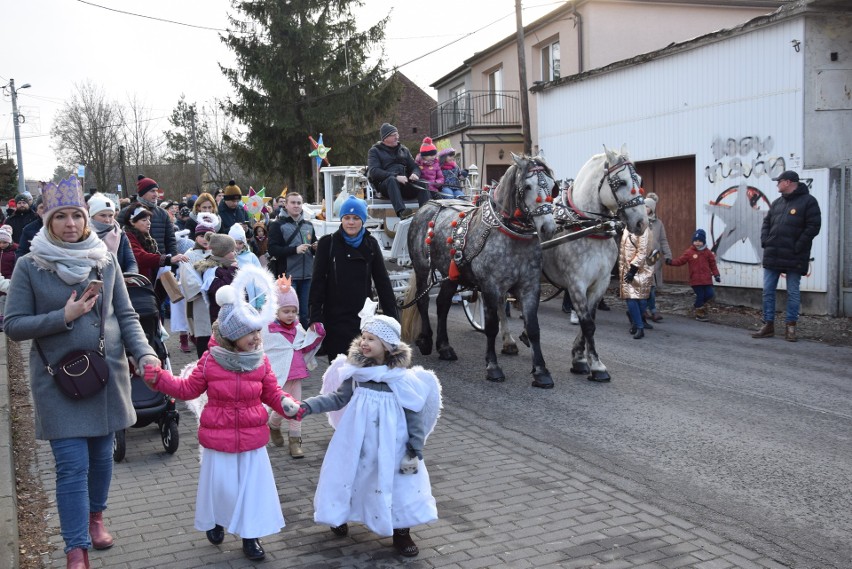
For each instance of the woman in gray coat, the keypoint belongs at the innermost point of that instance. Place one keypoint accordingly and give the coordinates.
(49, 303)
(659, 242)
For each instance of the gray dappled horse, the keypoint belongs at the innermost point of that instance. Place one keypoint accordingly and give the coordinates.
(493, 247)
(607, 187)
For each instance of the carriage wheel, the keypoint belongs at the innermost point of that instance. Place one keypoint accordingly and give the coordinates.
(170, 436)
(119, 446)
(474, 309)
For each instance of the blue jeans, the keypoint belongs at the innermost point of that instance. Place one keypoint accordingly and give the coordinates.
(83, 473)
(636, 307)
(703, 294)
(652, 300)
(303, 291)
(794, 297)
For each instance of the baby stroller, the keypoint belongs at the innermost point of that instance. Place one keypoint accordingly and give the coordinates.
(149, 405)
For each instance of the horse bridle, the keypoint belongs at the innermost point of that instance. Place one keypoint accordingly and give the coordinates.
(543, 209)
(614, 184)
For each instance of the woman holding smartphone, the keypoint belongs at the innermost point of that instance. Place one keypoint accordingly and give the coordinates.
(50, 302)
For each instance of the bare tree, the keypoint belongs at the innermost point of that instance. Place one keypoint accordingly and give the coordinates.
(217, 153)
(87, 131)
(141, 145)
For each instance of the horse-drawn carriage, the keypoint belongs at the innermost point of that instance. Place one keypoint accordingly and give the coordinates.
(501, 246)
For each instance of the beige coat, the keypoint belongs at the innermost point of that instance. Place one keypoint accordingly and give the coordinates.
(633, 251)
(661, 242)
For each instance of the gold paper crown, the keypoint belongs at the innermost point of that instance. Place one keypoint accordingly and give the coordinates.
(69, 193)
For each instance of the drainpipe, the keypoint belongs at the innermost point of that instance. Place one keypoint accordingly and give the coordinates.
(578, 23)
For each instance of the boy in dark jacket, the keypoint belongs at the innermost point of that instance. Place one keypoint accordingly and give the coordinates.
(702, 272)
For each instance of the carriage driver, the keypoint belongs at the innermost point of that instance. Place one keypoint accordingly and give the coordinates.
(391, 169)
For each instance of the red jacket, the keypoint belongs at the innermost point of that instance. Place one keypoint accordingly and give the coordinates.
(7, 261)
(149, 263)
(702, 265)
(234, 418)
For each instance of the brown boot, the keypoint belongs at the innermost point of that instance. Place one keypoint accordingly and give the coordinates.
(77, 558)
(766, 331)
(296, 447)
(275, 435)
(701, 314)
(403, 543)
(790, 332)
(101, 539)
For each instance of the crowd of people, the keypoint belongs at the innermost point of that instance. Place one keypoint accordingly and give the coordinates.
(260, 299)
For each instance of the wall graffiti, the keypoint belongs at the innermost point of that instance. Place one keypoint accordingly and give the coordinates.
(740, 178)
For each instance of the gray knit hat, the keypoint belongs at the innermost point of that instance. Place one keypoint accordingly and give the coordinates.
(233, 321)
(387, 130)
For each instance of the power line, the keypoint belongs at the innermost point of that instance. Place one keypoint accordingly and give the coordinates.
(154, 18)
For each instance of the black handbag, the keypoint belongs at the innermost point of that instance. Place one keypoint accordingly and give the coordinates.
(81, 373)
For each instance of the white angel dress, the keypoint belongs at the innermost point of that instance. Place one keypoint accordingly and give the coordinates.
(360, 480)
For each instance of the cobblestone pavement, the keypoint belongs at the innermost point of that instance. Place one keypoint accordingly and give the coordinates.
(499, 505)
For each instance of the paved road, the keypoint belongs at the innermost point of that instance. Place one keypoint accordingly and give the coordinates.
(707, 450)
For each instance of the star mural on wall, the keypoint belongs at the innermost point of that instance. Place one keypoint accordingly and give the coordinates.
(743, 220)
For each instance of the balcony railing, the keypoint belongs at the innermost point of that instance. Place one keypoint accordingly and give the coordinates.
(476, 109)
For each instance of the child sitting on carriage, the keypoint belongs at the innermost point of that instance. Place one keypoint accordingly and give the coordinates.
(430, 169)
(453, 175)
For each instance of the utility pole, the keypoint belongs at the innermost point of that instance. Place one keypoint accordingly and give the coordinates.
(522, 76)
(16, 120)
(195, 154)
(123, 173)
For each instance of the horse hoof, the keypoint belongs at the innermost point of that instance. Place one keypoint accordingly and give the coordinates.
(524, 338)
(580, 368)
(542, 381)
(496, 375)
(447, 353)
(600, 376)
(424, 344)
(510, 349)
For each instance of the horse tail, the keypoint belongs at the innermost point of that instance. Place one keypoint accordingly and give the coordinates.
(411, 315)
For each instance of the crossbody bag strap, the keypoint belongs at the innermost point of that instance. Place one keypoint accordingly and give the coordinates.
(100, 336)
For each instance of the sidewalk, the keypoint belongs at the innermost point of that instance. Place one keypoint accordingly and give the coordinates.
(501, 503)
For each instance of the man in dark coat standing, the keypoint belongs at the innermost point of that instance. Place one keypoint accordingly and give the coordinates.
(391, 170)
(22, 217)
(162, 228)
(789, 228)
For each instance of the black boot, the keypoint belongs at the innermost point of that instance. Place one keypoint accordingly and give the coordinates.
(216, 535)
(404, 544)
(340, 531)
(640, 333)
(253, 550)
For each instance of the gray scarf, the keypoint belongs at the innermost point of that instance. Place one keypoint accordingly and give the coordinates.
(72, 262)
(237, 361)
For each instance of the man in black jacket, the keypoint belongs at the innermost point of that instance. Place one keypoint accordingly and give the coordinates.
(162, 227)
(292, 242)
(391, 170)
(789, 228)
(22, 217)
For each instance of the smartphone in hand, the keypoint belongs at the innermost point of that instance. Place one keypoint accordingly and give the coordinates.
(93, 289)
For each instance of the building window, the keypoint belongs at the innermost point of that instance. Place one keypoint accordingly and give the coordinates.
(495, 90)
(458, 110)
(550, 62)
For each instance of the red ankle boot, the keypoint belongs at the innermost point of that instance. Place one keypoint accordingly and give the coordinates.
(101, 539)
(77, 558)
(184, 343)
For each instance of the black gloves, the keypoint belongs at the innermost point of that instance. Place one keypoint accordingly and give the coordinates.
(718, 278)
(631, 273)
(668, 261)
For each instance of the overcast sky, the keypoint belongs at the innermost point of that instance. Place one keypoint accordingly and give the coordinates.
(54, 44)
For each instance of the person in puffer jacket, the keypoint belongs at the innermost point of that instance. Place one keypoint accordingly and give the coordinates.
(236, 486)
(453, 176)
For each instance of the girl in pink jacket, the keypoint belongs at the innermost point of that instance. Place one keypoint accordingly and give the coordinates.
(430, 168)
(291, 350)
(236, 487)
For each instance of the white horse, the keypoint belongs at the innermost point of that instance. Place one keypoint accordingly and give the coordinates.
(607, 188)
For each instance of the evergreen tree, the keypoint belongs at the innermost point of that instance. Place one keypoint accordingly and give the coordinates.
(301, 70)
(8, 179)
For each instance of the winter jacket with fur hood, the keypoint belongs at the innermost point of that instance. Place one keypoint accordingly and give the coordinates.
(634, 251)
(234, 419)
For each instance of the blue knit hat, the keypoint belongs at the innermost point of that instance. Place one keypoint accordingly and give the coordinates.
(354, 206)
(699, 235)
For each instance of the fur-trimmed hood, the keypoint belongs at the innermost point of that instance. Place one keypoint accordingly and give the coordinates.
(207, 263)
(398, 358)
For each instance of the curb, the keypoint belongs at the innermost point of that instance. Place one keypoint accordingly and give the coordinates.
(9, 554)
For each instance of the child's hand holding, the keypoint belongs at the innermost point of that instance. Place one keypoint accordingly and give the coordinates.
(152, 374)
(290, 405)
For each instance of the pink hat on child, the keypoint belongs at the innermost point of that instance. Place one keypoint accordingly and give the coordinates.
(286, 295)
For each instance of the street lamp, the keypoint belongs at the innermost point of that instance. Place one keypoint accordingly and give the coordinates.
(16, 120)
